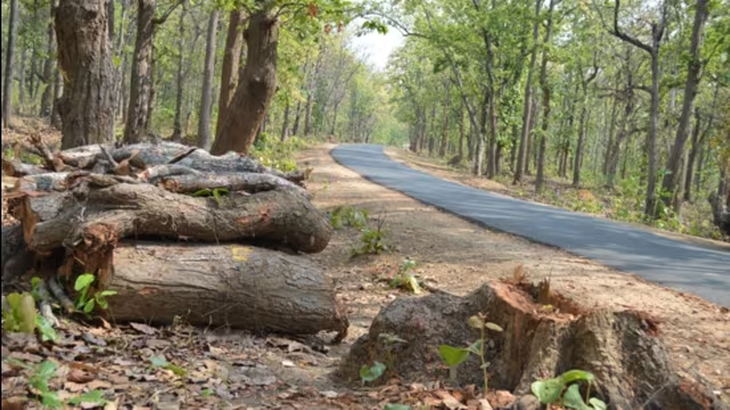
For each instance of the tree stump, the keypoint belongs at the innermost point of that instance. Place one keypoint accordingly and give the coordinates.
(619, 347)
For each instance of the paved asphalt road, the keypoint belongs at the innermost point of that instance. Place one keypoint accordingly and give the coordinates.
(669, 262)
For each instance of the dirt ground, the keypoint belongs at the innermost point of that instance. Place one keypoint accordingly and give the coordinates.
(231, 369)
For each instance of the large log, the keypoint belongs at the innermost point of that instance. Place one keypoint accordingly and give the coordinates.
(147, 155)
(620, 347)
(95, 218)
(16, 259)
(221, 285)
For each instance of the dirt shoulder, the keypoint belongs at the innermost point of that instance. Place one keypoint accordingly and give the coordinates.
(458, 256)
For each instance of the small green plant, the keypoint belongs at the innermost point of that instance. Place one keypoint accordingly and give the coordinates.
(553, 391)
(161, 362)
(85, 303)
(390, 341)
(216, 193)
(344, 216)
(272, 153)
(454, 356)
(371, 373)
(392, 406)
(404, 279)
(41, 375)
(19, 314)
(372, 241)
(93, 397)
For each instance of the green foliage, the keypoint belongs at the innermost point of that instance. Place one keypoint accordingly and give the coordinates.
(371, 373)
(216, 193)
(553, 391)
(392, 406)
(84, 302)
(406, 280)
(372, 241)
(41, 375)
(275, 154)
(93, 397)
(20, 314)
(349, 216)
(161, 362)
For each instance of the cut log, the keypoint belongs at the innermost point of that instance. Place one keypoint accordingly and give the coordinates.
(96, 218)
(620, 348)
(146, 155)
(15, 168)
(248, 182)
(221, 285)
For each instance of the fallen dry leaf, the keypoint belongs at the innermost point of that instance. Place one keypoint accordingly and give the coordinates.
(142, 328)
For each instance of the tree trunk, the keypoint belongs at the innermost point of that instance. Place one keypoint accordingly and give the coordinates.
(253, 94)
(135, 129)
(445, 123)
(206, 101)
(231, 58)
(692, 157)
(8, 72)
(527, 108)
(619, 347)
(84, 56)
(218, 285)
(285, 125)
(21, 82)
(47, 96)
(542, 144)
(672, 179)
(177, 131)
(578, 157)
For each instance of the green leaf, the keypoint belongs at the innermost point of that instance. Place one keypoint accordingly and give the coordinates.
(453, 356)
(597, 403)
(576, 375)
(89, 306)
(475, 322)
(476, 347)
(573, 400)
(27, 313)
(159, 361)
(548, 391)
(413, 284)
(48, 333)
(368, 374)
(391, 406)
(46, 370)
(494, 326)
(92, 397)
(108, 293)
(84, 281)
(202, 192)
(51, 400)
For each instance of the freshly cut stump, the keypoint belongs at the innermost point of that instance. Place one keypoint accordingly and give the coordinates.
(217, 285)
(619, 347)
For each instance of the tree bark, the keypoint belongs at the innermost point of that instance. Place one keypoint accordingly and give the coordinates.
(231, 58)
(9, 64)
(84, 56)
(177, 131)
(282, 216)
(47, 96)
(135, 129)
(527, 108)
(217, 285)
(258, 84)
(542, 141)
(285, 125)
(204, 137)
(692, 156)
(671, 181)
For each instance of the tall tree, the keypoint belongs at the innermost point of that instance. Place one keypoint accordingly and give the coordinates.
(231, 58)
(206, 104)
(8, 74)
(84, 56)
(527, 107)
(672, 179)
(657, 34)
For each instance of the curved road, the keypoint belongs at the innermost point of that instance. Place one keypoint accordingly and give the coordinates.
(669, 262)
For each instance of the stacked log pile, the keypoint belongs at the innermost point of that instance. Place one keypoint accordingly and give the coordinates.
(176, 232)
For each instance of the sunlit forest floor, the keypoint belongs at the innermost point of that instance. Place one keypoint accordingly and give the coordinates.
(623, 203)
(221, 368)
